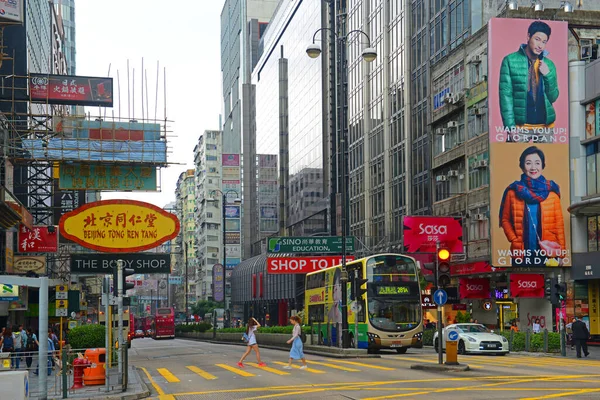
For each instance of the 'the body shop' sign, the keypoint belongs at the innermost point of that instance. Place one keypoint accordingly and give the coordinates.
(527, 285)
(302, 265)
(422, 233)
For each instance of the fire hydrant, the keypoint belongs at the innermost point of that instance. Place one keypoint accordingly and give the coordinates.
(79, 364)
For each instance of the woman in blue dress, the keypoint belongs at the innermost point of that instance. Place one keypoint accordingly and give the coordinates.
(297, 351)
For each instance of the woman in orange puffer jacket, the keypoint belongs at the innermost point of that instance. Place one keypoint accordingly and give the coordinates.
(531, 214)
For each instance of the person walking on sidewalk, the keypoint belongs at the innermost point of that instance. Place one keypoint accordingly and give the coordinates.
(250, 337)
(297, 350)
(580, 336)
(31, 346)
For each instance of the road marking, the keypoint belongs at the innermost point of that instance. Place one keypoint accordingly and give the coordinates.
(201, 372)
(168, 375)
(161, 393)
(553, 396)
(235, 370)
(314, 371)
(269, 369)
(286, 394)
(367, 365)
(425, 361)
(334, 366)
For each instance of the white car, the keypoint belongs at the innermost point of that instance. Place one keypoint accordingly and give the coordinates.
(475, 338)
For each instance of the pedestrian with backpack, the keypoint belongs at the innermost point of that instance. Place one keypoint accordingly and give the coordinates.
(250, 337)
(30, 347)
(8, 345)
(297, 350)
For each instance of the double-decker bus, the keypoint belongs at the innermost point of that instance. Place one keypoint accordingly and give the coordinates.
(389, 314)
(164, 323)
(127, 320)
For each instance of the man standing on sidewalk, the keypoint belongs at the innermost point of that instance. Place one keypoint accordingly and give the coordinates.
(580, 337)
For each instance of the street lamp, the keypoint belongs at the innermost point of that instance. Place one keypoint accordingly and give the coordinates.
(224, 229)
(340, 80)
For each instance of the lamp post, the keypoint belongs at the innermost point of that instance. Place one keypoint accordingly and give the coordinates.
(185, 252)
(224, 229)
(339, 80)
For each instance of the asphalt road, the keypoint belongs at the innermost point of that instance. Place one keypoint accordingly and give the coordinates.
(189, 370)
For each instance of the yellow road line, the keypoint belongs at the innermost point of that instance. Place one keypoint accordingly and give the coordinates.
(314, 371)
(367, 365)
(201, 372)
(556, 395)
(269, 369)
(238, 371)
(161, 393)
(334, 366)
(286, 394)
(426, 361)
(168, 375)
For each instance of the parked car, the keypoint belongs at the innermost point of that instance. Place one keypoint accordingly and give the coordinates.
(149, 333)
(474, 338)
(139, 334)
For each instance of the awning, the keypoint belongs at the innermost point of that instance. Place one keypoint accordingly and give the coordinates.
(589, 207)
(12, 212)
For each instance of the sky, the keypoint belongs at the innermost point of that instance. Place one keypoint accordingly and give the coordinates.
(184, 37)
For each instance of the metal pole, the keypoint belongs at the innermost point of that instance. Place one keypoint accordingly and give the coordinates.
(186, 282)
(43, 339)
(439, 308)
(225, 255)
(122, 344)
(105, 300)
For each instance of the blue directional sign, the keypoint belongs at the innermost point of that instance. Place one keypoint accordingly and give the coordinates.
(453, 336)
(440, 297)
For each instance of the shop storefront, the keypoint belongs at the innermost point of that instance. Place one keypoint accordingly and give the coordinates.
(585, 301)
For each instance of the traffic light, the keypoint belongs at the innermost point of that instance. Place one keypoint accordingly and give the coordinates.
(126, 285)
(443, 260)
(561, 292)
(359, 290)
(550, 290)
(432, 277)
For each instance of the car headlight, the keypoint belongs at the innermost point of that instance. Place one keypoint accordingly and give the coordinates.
(472, 340)
(504, 339)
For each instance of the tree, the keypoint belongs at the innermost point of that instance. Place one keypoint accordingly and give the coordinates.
(204, 307)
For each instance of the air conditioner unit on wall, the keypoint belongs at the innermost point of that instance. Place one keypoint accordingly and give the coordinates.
(447, 97)
(456, 98)
(452, 124)
(453, 173)
(441, 178)
(481, 164)
(441, 131)
(476, 59)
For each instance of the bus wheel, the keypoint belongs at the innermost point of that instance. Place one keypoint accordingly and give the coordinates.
(435, 346)
(401, 350)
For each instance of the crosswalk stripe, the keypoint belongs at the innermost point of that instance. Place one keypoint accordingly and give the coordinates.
(367, 365)
(314, 371)
(201, 372)
(334, 366)
(269, 369)
(235, 370)
(168, 375)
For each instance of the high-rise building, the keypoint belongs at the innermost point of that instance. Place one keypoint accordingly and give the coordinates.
(208, 210)
(66, 13)
(186, 242)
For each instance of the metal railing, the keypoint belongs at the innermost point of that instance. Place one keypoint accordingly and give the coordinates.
(60, 372)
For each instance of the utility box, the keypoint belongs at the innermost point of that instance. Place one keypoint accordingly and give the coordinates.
(14, 385)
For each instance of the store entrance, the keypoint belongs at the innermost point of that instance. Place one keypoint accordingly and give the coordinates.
(507, 313)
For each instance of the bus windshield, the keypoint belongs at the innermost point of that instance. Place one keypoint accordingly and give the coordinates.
(393, 293)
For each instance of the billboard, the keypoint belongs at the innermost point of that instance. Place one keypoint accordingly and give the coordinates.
(529, 143)
(302, 265)
(66, 201)
(119, 226)
(26, 264)
(40, 239)
(106, 177)
(421, 234)
(218, 274)
(11, 10)
(527, 285)
(104, 263)
(71, 90)
(231, 160)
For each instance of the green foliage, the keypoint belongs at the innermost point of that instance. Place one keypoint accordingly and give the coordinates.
(204, 307)
(269, 329)
(87, 337)
(462, 318)
(201, 327)
(536, 341)
(428, 337)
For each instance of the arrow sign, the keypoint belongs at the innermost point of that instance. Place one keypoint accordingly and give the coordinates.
(452, 336)
(440, 297)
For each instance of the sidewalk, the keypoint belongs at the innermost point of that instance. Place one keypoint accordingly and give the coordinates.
(136, 388)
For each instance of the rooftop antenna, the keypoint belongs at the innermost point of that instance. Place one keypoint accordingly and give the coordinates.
(128, 101)
(142, 85)
(156, 100)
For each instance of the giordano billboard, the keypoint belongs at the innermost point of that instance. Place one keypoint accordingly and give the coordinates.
(529, 138)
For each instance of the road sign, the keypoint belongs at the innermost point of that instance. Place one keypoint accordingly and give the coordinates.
(62, 312)
(316, 244)
(487, 305)
(458, 257)
(62, 292)
(62, 304)
(440, 297)
(452, 336)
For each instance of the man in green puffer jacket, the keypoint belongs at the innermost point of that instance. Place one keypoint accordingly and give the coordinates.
(525, 99)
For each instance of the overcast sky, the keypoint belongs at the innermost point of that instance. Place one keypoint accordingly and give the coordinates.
(184, 37)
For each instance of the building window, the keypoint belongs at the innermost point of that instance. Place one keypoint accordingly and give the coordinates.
(592, 233)
(479, 223)
(592, 160)
(479, 174)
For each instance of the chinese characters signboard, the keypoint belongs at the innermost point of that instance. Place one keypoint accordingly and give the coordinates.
(73, 90)
(218, 283)
(422, 233)
(40, 239)
(326, 244)
(119, 226)
(25, 264)
(107, 177)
